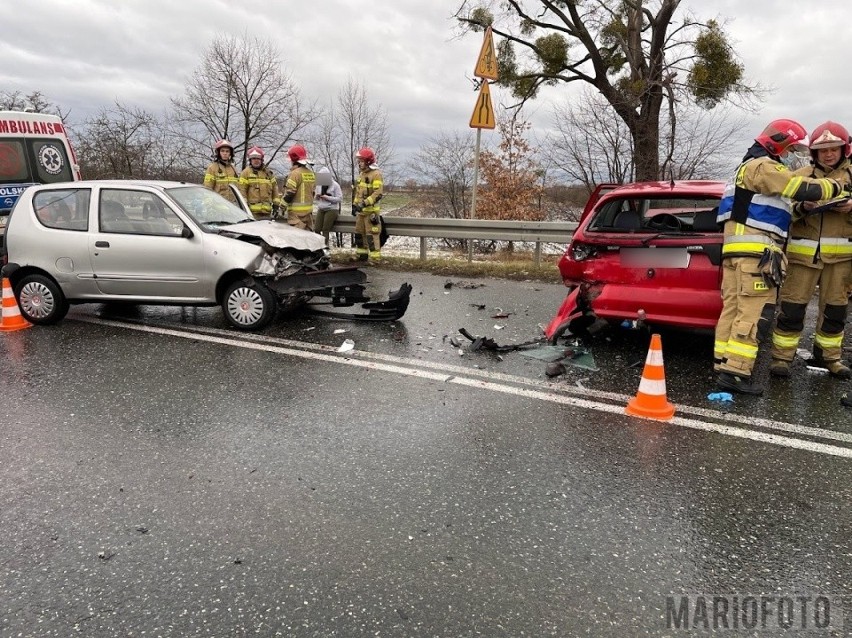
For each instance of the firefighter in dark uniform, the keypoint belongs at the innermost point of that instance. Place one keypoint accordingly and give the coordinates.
(259, 186)
(369, 190)
(221, 173)
(756, 213)
(820, 253)
(299, 189)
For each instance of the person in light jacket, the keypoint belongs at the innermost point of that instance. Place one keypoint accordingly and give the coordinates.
(328, 197)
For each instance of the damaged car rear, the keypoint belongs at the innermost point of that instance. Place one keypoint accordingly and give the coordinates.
(149, 242)
(645, 252)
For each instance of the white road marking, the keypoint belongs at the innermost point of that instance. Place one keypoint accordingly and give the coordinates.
(496, 382)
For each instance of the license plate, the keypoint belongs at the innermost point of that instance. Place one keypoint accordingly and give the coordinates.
(655, 257)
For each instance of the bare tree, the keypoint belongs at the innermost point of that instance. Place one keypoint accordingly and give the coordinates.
(690, 146)
(241, 92)
(34, 102)
(129, 143)
(592, 145)
(352, 123)
(633, 52)
(445, 166)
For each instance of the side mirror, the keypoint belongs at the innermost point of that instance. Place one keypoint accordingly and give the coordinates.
(187, 233)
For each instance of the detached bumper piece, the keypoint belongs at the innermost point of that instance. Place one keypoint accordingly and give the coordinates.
(344, 288)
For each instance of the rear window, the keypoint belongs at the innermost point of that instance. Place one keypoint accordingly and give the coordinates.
(33, 160)
(63, 209)
(649, 214)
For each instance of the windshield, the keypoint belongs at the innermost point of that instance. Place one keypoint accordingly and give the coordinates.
(206, 207)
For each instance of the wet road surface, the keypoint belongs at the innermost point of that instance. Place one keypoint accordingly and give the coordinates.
(164, 475)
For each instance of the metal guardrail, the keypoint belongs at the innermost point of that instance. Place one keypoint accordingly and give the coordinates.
(487, 229)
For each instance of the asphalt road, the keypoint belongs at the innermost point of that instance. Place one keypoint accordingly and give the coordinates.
(163, 475)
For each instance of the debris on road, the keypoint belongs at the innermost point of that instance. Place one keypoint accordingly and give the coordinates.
(487, 343)
(467, 285)
(722, 397)
(346, 346)
(554, 369)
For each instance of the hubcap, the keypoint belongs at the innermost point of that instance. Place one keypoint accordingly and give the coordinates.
(36, 300)
(245, 306)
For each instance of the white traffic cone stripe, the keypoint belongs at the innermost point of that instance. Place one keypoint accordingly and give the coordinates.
(655, 357)
(10, 305)
(651, 387)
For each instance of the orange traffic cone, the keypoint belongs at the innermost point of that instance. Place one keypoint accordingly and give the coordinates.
(650, 401)
(11, 318)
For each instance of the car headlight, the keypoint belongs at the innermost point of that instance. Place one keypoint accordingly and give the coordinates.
(581, 251)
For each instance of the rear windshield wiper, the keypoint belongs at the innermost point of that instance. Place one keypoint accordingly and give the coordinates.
(650, 238)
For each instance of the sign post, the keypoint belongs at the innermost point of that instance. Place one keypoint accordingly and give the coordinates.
(483, 112)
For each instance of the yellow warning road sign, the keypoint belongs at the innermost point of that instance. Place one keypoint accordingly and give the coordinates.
(483, 112)
(486, 65)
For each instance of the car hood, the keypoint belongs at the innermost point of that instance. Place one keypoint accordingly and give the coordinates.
(278, 234)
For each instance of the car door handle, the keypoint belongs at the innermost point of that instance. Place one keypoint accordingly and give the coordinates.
(101, 244)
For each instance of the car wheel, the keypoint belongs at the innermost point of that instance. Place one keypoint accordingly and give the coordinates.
(41, 301)
(249, 305)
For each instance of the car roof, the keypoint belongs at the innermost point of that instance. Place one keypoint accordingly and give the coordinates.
(116, 183)
(678, 187)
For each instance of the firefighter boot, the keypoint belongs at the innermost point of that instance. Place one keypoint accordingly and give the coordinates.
(737, 383)
(779, 368)
(838, 369)
(835, 368)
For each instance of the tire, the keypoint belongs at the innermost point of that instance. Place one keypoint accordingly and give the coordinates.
(249, 305)
(41, 301)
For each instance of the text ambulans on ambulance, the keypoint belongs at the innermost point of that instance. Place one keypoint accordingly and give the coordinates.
(34, 149)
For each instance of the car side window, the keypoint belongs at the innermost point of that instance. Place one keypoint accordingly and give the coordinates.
(131, 212)
(66, 209)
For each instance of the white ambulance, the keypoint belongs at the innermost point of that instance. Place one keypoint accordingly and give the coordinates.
(34, 149)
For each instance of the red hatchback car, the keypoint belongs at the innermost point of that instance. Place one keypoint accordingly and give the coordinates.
(644, 251)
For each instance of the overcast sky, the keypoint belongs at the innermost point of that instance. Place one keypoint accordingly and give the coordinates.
(86, 54)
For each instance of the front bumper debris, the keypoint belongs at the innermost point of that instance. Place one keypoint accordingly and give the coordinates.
(343, 288)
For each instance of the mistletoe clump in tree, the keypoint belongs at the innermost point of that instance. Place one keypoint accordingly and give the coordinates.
(633, 52)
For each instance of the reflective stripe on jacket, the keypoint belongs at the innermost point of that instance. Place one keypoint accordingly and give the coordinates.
(299, 190)
(260, 188)
(219, 177)
(760, 195)
(369, 190)
(825, 236)
(743, 241)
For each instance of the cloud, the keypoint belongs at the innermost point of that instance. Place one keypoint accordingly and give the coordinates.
(90, 53)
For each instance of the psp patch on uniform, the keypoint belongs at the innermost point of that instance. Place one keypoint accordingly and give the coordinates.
(50, 159)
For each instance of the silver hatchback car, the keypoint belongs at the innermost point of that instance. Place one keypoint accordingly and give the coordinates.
(150, 242)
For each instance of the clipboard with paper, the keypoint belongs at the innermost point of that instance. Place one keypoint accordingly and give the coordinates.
(828, 205)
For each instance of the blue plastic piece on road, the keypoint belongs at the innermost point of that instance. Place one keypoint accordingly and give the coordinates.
(724, 397)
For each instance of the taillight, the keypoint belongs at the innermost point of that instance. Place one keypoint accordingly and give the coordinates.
(581, 251)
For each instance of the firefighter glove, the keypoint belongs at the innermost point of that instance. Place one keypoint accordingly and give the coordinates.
(276, 211)
(773, 266)
(356, 208)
